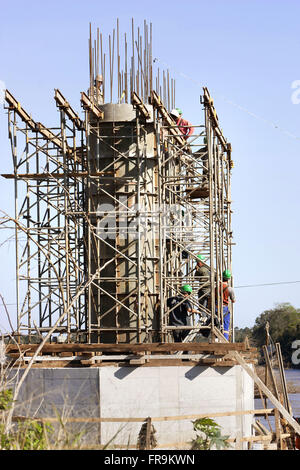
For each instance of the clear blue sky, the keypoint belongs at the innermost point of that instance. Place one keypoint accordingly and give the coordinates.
(247, 52)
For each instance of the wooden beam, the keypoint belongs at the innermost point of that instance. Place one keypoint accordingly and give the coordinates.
(157, 103)
(216, 348)
(34, 126)
(200, 358)
(16, 106)
(38, 126)
(269, 366)
(153, 419)
(89, 106)
(49, 135)
(136, 101)
(292, 422)
(282, 378)
(208, 101)
(261, 428)
(63, 104)
(46, 176)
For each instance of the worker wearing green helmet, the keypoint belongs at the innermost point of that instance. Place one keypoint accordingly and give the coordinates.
(186, 289)
(226, 274)
(228, 294)
(180, 309)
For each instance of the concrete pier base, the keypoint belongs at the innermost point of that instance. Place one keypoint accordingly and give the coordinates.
(140, 392)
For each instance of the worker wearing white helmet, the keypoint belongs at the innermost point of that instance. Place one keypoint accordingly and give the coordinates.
(184, 126)
(96, 95)
(174, 113)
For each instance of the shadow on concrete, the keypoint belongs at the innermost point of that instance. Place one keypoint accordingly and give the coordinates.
(124, 372)
(195, 371)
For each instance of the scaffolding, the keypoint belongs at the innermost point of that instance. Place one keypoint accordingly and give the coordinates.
(112, 210)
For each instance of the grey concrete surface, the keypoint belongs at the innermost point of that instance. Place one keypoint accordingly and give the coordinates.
(130, 392)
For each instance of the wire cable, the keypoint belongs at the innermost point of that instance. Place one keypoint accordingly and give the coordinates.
(242, 108)
(267, 284)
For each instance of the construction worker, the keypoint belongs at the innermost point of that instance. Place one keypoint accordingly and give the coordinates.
(228, 294)
(181, 310)
(184, 126)
(202, 154)
(203, 275)
(96, 95)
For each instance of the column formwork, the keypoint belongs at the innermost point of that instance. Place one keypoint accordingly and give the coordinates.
(122, 246)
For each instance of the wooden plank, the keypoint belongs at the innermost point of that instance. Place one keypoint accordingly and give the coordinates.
(86, 358)
(267, 438)
(198, 193)
(217, 348)
(64, 354)
(120, 361)
(139, 360)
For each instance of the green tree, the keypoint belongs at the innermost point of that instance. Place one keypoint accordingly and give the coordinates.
(284, 328)
(240, 334)
(281, 319)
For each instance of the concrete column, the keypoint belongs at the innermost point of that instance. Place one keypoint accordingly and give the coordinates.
(124, 151)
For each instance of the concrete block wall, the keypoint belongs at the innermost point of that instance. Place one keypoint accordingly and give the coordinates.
(130, 392)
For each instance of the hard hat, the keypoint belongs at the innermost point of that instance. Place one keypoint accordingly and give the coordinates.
(175, 113)
(179, 110)
(186, 288)
(99, 78)
(226, 274)
(201, 257)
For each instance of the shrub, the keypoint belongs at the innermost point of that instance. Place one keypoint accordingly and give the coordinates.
(208, 435)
